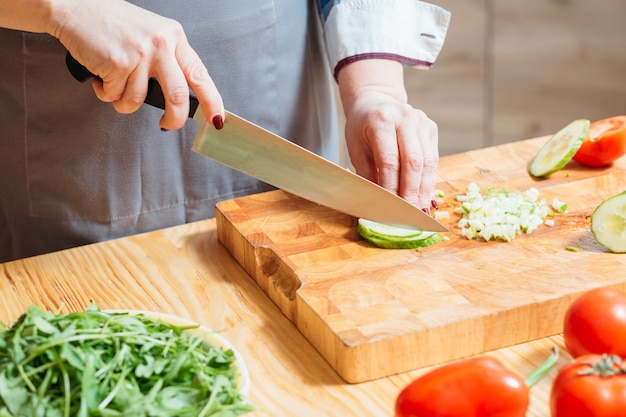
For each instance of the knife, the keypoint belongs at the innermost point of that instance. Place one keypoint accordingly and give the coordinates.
(266, 156)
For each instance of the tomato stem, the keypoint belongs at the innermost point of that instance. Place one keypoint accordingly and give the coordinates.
(543, 369)
(609, 366)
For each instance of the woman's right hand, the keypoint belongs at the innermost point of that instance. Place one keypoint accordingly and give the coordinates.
(125, 46)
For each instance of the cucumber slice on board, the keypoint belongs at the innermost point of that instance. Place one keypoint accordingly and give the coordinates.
(393, 237)
(608, 223)
(559, 149)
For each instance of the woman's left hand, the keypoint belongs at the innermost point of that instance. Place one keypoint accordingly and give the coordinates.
(389, 142)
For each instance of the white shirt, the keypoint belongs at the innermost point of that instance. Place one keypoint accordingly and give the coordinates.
(409, 31)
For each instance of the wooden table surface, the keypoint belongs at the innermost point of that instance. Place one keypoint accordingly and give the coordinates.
(185, 271)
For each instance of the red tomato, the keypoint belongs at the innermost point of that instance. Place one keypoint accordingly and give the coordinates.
(590, 386)
(605, 142)
(596, 323)
(476, 387)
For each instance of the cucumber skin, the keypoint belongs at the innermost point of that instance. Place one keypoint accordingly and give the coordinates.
(595, 233)
(394, 242)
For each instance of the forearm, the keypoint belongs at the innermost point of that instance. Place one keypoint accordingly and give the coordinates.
(43, 16)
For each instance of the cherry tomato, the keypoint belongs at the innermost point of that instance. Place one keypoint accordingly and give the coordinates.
(596, 323)
(605, 142)
(590, 386)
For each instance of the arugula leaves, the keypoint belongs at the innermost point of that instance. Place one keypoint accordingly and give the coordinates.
(95, 363)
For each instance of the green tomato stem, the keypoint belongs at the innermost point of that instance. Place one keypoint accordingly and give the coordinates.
(543, 369)
(608, 366)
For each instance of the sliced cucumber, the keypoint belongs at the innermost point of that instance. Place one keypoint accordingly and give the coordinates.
(393, 237)
(608, 223)
(559, 149)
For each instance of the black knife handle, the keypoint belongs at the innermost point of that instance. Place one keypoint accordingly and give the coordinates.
(155, 94)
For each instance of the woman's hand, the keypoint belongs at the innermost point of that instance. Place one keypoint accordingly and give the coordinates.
(125, 46)
(389, 142)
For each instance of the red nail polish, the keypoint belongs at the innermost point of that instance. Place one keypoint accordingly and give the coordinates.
(434, 204)
(426, 210)
(218, 122)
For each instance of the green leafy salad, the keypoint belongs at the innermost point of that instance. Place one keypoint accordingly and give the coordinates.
(97, 363)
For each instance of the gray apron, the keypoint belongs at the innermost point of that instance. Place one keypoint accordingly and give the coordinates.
(73, 171)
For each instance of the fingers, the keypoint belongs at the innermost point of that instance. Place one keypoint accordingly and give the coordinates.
(404, 154)
(125, 95)
(110, 90)
(412, 163)
(177, 68)
(419, 158)
(387, 156)
(199, 80)
(360, 152)
(176, 94)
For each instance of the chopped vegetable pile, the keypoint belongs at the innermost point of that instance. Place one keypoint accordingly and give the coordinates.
(500, 214)
(96, 363)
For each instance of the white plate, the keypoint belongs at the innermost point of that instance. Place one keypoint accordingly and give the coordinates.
(211, 336)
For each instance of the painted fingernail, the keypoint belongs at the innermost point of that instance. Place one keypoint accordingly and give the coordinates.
(434, 204)
(426, 210)
(218, 122)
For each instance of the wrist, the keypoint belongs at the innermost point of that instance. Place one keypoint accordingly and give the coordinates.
(57, 14)
(380, 76)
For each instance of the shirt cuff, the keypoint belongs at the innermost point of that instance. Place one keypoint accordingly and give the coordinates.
(409, 31)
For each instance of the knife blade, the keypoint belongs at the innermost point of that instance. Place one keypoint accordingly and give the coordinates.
(264, 155)
(257, 152)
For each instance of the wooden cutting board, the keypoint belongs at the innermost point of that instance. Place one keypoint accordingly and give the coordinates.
(375, 312)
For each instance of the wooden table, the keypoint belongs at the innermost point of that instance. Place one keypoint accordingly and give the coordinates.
(185, 271)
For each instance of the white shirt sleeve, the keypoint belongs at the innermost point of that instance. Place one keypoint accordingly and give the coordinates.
(410, 31)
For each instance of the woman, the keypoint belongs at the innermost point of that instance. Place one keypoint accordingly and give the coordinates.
(76, 169)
